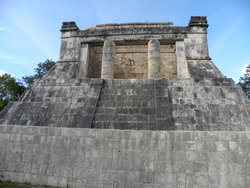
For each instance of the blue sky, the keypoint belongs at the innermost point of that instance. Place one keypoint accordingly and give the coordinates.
(29, 29)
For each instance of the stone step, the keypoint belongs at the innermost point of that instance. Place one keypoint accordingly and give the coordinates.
(118, 110)
(126, 97)
(128, 91)
(169, 82)
(125, 104)
(125, 117)
(124, 125)
(180, 94)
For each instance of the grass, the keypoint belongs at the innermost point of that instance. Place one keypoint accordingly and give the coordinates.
(9, 184)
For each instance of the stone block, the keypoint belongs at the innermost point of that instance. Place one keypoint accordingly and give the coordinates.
(165, 124)
(62, 182)
(148, 111)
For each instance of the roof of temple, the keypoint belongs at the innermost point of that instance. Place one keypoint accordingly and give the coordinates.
(132, 25)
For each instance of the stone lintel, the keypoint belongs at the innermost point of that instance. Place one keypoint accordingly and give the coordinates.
(67, 61)
(132, 31)
(198, 59)
(163, 38)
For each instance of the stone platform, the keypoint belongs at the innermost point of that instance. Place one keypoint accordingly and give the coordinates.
(79, 158)
(140, 104)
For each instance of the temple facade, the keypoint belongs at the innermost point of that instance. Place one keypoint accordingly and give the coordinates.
(139, 50)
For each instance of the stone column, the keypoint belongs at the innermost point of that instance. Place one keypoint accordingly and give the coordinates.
(108, 60)
(196, 41)
(182, 68)
(154, 59)
(84, 61)
(70, 46)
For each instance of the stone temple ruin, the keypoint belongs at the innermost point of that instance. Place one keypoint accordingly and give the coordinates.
(133, 76)
(156, 111)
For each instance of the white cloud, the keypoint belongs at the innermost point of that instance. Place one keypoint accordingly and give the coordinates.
(6, 57)
(2, 72)
(243, 69)
(2, 29)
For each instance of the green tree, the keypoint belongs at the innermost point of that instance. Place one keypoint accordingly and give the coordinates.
(245, 82)
(10, 89)
(40, 71)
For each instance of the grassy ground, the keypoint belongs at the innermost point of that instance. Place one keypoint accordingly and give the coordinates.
(9, 184)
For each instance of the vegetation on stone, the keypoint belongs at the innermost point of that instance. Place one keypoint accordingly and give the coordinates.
(245, 82)
(40, 71)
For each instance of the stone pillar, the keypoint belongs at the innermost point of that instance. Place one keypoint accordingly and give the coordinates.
(196, 41)
(84, 61)
(108, 60)
(182, 68)
(70, 46)
(154, 59)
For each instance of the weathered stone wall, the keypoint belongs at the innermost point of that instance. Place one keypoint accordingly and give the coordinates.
(77, 158)
(196, 44)
(168, 61)
(52, 102)
(200, 69)
(70, 49)
(95, 62)
(131, 61)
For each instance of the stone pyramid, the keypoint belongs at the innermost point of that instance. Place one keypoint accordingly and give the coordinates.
(129, 106)
(152, 76)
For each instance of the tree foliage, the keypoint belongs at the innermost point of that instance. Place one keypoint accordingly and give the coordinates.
(40, 71)
(10, 89)
(245, 82)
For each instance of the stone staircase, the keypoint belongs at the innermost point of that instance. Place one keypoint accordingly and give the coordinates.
(126, 104)
(139, 104)
(172, 104)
